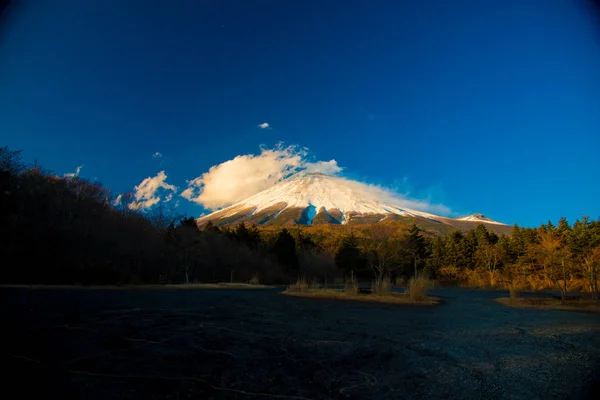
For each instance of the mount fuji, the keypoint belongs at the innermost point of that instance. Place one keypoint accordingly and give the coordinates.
(316, 199)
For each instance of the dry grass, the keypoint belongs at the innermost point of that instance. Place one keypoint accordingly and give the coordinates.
(351, 287)
(539, 283)
(399, 282)
(450, 272)
(303, 285)
(381, 292)
(483, 279)
(382, 287)
(418, 286)
(550, 303)
(393, 298)
(254, 280)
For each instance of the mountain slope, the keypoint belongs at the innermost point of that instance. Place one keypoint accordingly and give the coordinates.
(315, 198)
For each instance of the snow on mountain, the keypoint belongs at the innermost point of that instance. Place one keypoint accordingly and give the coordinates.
(324, 191)
(479, 218)
(307, 197)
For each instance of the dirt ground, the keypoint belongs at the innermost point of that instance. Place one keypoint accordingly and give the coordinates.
(213, 344)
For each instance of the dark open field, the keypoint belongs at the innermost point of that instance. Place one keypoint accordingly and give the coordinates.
(203, 344)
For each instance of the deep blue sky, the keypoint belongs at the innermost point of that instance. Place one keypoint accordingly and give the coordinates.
(483, 106)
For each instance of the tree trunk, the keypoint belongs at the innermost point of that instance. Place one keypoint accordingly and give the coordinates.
(187, 277)
(415, 263)
(564, 287)
(231, 276)
(594, 281)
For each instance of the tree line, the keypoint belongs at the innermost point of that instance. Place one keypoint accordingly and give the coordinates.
(68, 230)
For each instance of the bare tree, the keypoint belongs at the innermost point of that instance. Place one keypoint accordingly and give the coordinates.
(489, 255)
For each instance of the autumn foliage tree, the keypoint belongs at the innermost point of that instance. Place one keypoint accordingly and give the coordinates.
(382, 248)
(554, 258)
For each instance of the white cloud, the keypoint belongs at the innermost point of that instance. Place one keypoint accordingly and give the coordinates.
(390, 196)
(326, 167)
(157, 155)
(169, 197)
(146, 193)
(264, 125)
(74, 174)
(248, 174)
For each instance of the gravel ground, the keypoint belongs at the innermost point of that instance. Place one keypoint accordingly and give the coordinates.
(212, 344)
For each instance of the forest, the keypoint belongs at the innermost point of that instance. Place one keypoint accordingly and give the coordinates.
(69, 230)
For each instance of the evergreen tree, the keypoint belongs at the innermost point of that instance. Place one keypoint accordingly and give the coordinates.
(254, 237)
(470, 248)
(493, 238)
(241, 234)
(211, 227)
(189, 222)
(454, 249)
(482, 234)
(416, 246)
(285, 251)
(436, 259)
(304, 243)
(349, 257)
(563, 226)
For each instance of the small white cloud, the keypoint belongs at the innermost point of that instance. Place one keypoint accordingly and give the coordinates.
(169, 197)
(146, 196)
(157, 155)
(330, 167)
(264, 125)
(74, 174)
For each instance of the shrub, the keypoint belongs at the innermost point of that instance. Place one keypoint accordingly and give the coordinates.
(304, 285)
(418, 286)
(483, 279)
(301, 285)
(351, 286)
(382, 287)
(539, 283)
(254, 280)
(449, 272)
(313, 283)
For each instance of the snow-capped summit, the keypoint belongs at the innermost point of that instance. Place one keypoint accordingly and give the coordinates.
(315, 198)
(317, 190)
(479, 218)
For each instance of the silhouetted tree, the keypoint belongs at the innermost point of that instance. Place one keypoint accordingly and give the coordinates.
(285, 251)
(415, 246)
(349, 257)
